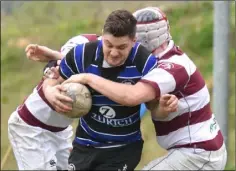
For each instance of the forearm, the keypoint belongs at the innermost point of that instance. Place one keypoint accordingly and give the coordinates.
(128, 95)
(157, 110)
(54, 55)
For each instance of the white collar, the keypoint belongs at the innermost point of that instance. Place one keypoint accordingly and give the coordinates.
(106, 65)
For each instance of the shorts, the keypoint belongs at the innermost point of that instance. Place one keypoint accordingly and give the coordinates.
(190, 159)
(36, 148)
(121, 158)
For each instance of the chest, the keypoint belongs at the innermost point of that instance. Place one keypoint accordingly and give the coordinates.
(122, 74)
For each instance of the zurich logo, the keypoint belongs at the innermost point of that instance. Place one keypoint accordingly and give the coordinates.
(107, 112)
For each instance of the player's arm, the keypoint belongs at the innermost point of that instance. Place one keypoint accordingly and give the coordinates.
(161, 108)
(166, 78)
(53, 87)
(44, 54)
(128, 95)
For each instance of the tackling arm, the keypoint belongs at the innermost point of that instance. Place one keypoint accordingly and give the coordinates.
(42, 53)
(131, 95)
(128, 95)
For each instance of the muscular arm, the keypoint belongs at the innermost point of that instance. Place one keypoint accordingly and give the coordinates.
(128, 95)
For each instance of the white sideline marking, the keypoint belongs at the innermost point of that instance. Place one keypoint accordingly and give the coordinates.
(6, 156)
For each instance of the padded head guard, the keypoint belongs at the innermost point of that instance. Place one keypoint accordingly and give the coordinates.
(152, 27)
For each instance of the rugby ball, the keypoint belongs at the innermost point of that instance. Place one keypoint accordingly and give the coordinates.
(82, 100)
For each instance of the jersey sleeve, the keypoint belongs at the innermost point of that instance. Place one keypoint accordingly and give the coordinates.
(72, 63)
(150, 64)
(170, 75)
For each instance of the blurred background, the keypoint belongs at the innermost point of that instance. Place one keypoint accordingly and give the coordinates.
(53, 23)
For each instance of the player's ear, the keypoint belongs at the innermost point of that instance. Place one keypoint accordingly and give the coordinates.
(134, 40)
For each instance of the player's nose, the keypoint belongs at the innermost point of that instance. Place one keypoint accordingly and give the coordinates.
(114, 53)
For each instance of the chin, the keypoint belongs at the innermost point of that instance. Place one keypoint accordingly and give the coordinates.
(114, 64)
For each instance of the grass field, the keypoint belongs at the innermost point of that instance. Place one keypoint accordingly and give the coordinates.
(191, 28)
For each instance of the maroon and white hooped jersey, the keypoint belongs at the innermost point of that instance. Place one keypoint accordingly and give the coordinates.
(36, 110)
(193, 125)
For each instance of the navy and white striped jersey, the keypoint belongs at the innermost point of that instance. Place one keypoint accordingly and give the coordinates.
(108, 124)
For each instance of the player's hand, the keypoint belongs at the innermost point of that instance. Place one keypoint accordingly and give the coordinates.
(78, 78)
(39, 53)
(168, 103)
(60, 102)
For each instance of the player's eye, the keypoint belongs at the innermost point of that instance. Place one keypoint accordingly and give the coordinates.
(108, 45)
(121, 47)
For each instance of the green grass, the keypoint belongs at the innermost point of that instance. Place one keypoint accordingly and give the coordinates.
(52, 23)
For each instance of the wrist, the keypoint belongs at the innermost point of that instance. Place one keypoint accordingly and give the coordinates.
(45, 87)
(57, 55)
(88, 78)
(51, 54)
(161, 112)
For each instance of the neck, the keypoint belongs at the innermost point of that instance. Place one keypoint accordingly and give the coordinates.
(160, 49)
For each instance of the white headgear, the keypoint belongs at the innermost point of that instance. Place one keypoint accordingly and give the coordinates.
(152, 27)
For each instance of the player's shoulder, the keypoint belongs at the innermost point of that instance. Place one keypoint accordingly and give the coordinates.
(79, 39)
(174, 59)
(173, 55)
(141, 53)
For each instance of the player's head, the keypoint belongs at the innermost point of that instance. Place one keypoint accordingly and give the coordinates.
(153, 28)
(118, 36)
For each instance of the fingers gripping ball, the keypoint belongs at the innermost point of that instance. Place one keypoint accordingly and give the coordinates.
(82, 100)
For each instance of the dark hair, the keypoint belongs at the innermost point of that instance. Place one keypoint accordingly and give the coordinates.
(120, 23)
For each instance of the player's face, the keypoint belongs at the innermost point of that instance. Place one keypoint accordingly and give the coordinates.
(116, 49)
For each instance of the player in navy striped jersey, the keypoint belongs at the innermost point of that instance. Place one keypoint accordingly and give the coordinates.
(191, 135)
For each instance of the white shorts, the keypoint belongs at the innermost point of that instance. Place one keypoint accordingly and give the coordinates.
(188, 159)
(36, 148)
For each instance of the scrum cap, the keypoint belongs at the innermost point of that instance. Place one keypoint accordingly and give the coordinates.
(152, 27)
